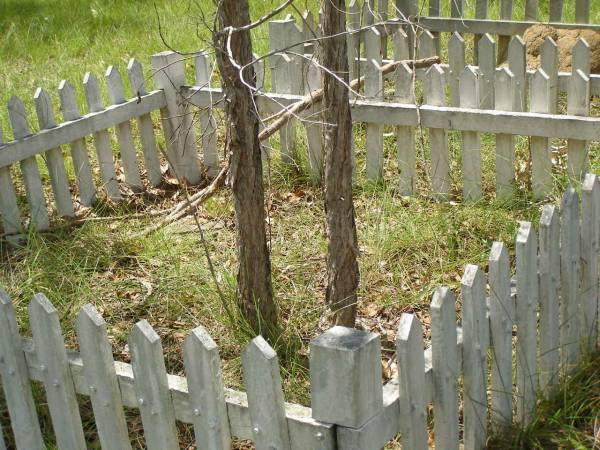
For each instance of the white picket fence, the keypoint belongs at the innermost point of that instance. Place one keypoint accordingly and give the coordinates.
(507, 101)
(552, 301)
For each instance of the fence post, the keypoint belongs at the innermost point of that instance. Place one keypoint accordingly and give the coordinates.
(168, 70)
(345, 374)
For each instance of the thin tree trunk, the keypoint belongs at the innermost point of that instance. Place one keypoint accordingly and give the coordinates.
(254, 290)
(342, 264)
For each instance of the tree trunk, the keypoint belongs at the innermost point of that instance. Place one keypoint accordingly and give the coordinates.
(254, 290)
(342, 264)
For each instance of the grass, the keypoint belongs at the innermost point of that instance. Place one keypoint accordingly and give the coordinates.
(408, 246)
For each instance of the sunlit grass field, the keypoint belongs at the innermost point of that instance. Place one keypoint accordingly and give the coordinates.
(408, 246)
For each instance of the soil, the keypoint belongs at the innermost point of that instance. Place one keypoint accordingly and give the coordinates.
(565, 39)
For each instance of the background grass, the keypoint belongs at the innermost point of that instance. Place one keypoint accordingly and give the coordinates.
(408, 246)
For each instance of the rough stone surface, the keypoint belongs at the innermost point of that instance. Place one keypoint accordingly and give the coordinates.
(565, 40)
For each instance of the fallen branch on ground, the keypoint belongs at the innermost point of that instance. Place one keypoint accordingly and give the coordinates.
(190, 204)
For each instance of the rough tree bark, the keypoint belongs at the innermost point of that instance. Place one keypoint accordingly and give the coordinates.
(342, 253)
(254, 290)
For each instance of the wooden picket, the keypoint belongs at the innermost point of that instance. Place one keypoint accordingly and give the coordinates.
(369, 414)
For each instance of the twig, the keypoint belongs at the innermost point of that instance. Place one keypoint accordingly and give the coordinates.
(281, 118)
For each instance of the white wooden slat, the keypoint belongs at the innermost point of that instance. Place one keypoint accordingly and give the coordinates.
(15, 381)
(541, 152)
(313, 125)
(556, 10)
(445, 369)
(208, 125)
(288, 77)
(369, 14)
(435, 94)
(382, 9)
(481, 13)
(9, 210)
(54, 157)
(590, 218)
(474, 364)
(411, 365)
(427, 44)
(201, 358)
(145, 125)
(102, 142)
(582, 11)
(505, 143)
(116, 94)
(581, 57)
(152, 388)
(531, 10)
(99, 369)
(487, 69)
(569, 279)
(578, 103)
(29, 167)
(526, 320)
(168, 69)
(57, 380)
(405, 136)
(374, 91)
(81, 161)
(456, 60)
(506, 13)
(353, 24)
(265, 396)
(471, 145)
(502, 317)
(518, 66)
(549, 266)
(549, 64)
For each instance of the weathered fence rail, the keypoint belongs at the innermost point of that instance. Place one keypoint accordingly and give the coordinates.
(555, 279)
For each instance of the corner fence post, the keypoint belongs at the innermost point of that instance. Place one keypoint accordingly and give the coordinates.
(345, 374)
(168, 71)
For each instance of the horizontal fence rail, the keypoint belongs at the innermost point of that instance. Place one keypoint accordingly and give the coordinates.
(552, 300)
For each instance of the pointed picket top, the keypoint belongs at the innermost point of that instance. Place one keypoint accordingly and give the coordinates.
(473, 282)
(309, 26)
(202, 69)
(152, 388)
(426, 44)
(401, 45)
(581, 57)
(486, 42)
(201, 359)
(578, 97)
(504, 81)
(91, 86)
(435, 92)
(114, 85)
(469, 87)
(548, 52)
(540, 92)
(18, 117)
(404, 92)
(68, 101)
(409, 351)
(136, 77)
(265, 395)
(44, 109)
(499, 264)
